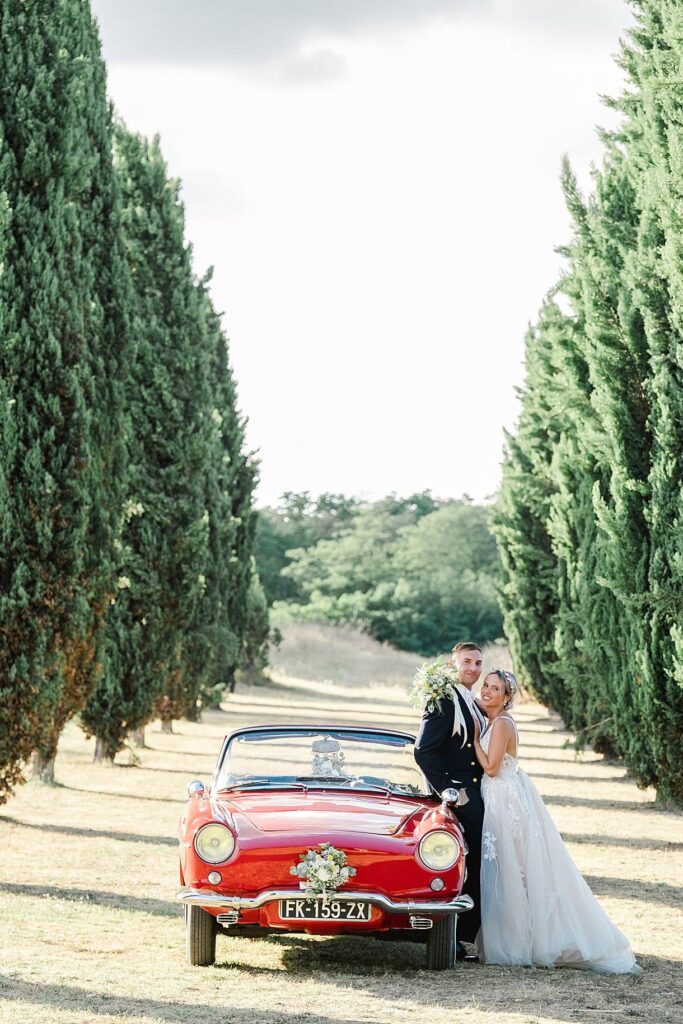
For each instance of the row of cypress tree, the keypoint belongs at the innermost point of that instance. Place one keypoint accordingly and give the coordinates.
(125, 490)
(590, 516)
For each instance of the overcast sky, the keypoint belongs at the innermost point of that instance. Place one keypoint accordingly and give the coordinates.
(376, 185)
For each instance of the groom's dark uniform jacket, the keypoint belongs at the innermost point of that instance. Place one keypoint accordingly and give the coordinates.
(447, 761)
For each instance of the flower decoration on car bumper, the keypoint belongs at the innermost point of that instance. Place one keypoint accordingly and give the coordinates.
(322, 870)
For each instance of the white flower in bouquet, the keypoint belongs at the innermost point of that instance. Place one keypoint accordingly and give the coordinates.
(323, 870)
(433, 683)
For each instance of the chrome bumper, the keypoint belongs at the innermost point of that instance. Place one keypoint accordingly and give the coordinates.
(215, 901)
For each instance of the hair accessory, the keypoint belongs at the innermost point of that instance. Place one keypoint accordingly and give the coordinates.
(512, 682)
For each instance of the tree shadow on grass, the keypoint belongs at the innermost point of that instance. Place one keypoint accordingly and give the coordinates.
(190, 773)
(92, 833)
(92, 1003)
(537, 743)
(637, 806)
(632, 889)
(636, 843)
(355, 963)
(180, 753)
(547, 729)
(515, 990)
(111, 900)
(554, 722)
(344, 954)
(350, 697)
(349, 707)
(125, 796)
(563, 758)
(578, 779)
(349, 716)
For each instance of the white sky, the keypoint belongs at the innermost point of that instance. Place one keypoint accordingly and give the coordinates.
(377, 186)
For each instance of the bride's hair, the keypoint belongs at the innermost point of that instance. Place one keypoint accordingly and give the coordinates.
(509, 685)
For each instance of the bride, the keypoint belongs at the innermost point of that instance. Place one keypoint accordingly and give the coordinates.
(536, 908)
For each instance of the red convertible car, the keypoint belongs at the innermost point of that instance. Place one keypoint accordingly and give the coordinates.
(324, 830)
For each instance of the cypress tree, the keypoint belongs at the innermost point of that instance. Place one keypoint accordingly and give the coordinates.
(528, 591)
(606, 555)
(256, 629)
(62, 304)
(584, 397)
(164, 545)
(216, 641)
(614, 516)
(654, 133)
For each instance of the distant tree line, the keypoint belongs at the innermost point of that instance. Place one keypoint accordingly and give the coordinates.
(590, 517)
(128, 587)
(417, 572)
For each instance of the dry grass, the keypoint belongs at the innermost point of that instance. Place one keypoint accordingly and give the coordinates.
(90, 933)
(346, 657)
(340, 655)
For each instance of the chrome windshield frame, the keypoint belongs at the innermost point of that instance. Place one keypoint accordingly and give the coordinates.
(361, 733)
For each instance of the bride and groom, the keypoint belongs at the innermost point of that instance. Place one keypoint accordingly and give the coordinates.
(531, 904)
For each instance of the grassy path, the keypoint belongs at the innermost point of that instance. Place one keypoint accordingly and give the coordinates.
(90, 934)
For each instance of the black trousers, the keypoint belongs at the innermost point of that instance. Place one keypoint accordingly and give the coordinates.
(471, 817)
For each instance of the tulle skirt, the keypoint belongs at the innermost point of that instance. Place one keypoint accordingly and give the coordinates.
(536, 908)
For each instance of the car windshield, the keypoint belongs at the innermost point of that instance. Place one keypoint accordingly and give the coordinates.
(323, 758)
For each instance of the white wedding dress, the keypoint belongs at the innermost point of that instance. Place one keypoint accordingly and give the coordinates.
(536, 908)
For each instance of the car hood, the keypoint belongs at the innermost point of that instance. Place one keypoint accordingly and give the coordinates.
(314, 811)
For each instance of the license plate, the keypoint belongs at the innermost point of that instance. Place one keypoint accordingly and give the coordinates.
(321, 910)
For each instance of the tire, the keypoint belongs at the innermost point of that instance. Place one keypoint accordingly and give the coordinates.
(441, 944)
(200, 937)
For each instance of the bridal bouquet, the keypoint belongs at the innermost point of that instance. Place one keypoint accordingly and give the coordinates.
(432, 683)
(322, 870)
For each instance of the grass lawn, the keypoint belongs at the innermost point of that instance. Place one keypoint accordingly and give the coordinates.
(90, 932)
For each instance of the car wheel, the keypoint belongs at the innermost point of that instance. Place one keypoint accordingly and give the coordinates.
(441, 944)
(200, 937)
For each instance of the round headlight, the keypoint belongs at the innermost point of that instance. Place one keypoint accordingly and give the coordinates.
(214, 843)
(439, 851)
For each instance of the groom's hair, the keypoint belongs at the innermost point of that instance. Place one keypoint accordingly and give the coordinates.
(466, 645)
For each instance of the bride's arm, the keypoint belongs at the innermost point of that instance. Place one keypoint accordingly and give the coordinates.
(500, 737)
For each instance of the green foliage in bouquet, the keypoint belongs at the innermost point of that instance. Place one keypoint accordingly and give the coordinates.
(432, 683)
(322, 870)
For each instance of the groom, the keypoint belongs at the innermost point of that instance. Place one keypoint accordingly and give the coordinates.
(444, 750)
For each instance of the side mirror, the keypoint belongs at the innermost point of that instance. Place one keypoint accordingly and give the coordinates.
(195, 788)
(454, 798)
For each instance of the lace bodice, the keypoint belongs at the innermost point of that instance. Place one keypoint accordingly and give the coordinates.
(510, 761)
